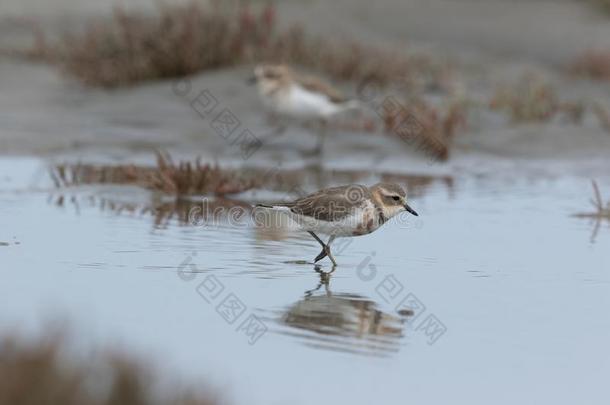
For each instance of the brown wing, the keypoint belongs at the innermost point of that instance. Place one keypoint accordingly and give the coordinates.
(331, 204)
(314, 84)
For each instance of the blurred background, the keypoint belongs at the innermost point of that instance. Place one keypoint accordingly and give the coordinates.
(132, 149)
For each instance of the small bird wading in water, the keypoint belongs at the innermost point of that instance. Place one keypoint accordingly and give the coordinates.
(288, 95)
(345, 211)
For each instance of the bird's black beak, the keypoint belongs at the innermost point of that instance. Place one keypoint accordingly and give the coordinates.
(251, 80)
(411, 210)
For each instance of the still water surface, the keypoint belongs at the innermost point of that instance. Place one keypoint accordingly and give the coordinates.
(495, 294)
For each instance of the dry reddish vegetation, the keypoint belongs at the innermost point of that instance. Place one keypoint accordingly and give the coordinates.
(594, 64)
(177, 41)
(40, 372)
(182, 178)
(602, 210)
(601, 213)
(424, 126)
(353, 61)
(181, 40)
(602, 115)
(602, 5)
(532, 99)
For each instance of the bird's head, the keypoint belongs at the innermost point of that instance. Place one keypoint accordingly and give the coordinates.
(270, 77)
(392, 198)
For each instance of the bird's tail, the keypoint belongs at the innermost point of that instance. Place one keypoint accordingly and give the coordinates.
(278, 206)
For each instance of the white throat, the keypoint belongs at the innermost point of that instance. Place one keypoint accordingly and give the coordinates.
(391, 211)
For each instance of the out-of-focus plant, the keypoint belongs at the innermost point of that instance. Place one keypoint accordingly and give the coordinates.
(594, 64)
(41, 371)
(602, 115)
(531, 99)
(602, 5)
(602, 210)
(425, 126)
(181, 178)
(179, 40)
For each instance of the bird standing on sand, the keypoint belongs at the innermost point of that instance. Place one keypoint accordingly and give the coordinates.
(345, 211)
(300, 98)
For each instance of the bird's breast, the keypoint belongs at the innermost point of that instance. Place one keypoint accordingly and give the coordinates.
(369, 221)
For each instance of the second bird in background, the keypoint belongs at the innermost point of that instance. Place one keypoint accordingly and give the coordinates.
(304, 99)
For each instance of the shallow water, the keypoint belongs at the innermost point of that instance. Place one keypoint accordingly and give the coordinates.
(495, 294)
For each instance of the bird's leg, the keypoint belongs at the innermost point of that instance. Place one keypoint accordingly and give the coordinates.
(277, 131)
(330, 256)
(322, 254)
(259, 141)
(324, 247)
(326, 252)
(321, 137)
(272, 118)
(317, 238)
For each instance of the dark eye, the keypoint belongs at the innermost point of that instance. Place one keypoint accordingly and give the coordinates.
(395, 198)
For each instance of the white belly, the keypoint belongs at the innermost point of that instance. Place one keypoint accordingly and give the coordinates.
(300, 103)
(361, 222)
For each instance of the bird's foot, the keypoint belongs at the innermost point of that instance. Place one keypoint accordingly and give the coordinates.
(321, 256)
(325, 252)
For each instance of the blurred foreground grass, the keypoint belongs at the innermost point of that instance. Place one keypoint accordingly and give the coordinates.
(43, 371)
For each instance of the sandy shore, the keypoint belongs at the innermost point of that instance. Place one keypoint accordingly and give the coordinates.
(537, 30)
(43, 113)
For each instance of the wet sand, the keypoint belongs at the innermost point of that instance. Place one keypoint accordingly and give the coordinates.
(46, 114)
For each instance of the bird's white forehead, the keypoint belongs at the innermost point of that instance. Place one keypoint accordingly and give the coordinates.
(393, 189)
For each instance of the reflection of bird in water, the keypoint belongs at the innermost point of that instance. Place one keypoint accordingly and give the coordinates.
(299, 98)
(343, 322)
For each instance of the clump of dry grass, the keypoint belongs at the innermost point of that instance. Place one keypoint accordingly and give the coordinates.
(40, 372)
(602, 5)
(353, 61)
(594, 64)
(531, 99)
(427, 127)
(182, 178)
(176, 41)
(602, 115)
(180, 40)
(602, 211)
